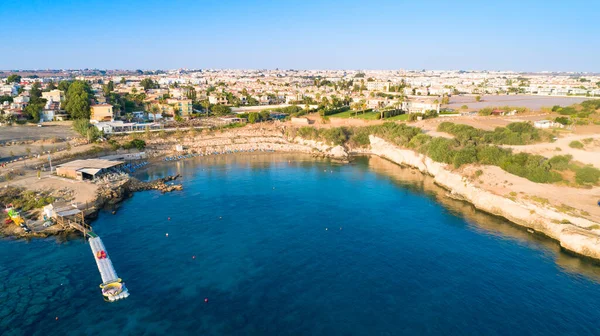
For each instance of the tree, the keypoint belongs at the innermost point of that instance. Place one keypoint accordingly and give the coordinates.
(50, 86)
(6, 98)
(477, 98)
(35, 94)
(85, 129)
(123, 80)
(206, 105)
(191, 93)
(148, 83)
(221, 110)
(253, 117)
(77, 102)
(64, 85)
(108, 88)
(34, 111)
(155, 110)
(13, 79)
(445, 100)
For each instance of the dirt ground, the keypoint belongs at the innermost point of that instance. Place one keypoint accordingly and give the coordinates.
(32, 132)
(590, 154)
(532, 102)
(502, 183)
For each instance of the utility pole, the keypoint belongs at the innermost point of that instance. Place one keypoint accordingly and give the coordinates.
(50, 160)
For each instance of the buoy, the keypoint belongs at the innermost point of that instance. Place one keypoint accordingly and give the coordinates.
(326, 229)
(205, 299)
(168, 218)
(193, 257)
(57, 318)
(220, 217)
(166, 235)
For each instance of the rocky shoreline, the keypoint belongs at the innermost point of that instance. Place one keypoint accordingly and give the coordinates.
(574, 234)
(109, 196)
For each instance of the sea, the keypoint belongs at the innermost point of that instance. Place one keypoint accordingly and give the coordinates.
(286, 244)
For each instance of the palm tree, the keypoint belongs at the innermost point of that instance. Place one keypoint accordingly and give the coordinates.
(206, 105)
(155, 110)
(128, 116)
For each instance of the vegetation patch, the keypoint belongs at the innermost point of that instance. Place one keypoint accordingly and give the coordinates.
(576, 144)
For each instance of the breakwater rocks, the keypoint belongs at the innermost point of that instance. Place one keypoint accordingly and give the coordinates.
(573, 233)
(159, 184)
(109, 195)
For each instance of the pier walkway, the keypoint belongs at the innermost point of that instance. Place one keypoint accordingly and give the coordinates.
(107, 271)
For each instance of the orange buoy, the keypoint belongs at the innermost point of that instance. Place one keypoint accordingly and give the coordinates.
(57, 318)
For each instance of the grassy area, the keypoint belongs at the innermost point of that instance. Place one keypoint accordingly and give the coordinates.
(367, 115)
(401, 117)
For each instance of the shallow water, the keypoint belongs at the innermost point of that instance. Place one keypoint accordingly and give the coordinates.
(287, 245)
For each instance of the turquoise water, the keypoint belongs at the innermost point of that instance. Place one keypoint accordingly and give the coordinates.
(285, 245)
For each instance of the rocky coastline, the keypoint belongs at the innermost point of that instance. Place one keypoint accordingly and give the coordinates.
(111, 195)
(574, 234)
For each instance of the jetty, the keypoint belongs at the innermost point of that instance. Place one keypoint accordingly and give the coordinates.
(112, 287)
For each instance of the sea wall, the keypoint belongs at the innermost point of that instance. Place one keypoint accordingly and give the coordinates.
(575, 236)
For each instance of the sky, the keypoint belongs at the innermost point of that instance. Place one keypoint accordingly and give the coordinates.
(525, 35)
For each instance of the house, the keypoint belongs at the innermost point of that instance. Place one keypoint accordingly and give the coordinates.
(217, 100)
(54, 95)
(21, 100)
(102, 112)
(377, 86)
(9, 90)
(420, 106)
(52, 111)
(183, 107)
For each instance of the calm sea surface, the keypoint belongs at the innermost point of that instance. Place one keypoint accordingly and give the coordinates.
(285, 245)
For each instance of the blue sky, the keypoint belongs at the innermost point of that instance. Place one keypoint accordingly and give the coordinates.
(525, 35)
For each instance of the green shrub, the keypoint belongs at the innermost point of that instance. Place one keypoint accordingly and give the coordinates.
(587, 175)
(560, 162)
(576, 144)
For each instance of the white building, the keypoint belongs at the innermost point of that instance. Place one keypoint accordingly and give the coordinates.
(420, 106)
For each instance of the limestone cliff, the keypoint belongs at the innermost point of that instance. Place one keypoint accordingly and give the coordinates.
(574, 236)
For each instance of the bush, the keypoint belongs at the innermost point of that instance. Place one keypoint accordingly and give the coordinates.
(519, 133)
(560, 162)
(563, 120)
(576, 144)
(587, 175)
(465, 155)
